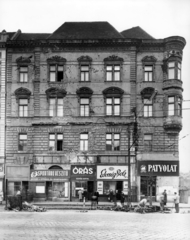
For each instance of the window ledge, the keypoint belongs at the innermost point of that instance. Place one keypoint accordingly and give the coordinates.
(113, 81)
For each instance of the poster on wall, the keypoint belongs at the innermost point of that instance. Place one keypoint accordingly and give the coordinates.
(112, 172)
(100, 187)
(40, 189)
(125, 187)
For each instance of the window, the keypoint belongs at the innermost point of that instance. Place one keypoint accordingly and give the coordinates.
(147, 107)
(84, 107)
(171, 106)
(23, 107)
(55, 142)
(84, 73)
(174, 106)
(22, 145)
(113, 106)
(112, 141)
(148, 142)
(56, 73)
(174, 70)
(113, 73)
(84, 141)
(148, 73)
(56, 107)
(23, 74)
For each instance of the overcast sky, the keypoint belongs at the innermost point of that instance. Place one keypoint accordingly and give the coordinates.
(160, 18)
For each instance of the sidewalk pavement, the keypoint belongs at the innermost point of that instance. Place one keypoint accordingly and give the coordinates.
(80, 205)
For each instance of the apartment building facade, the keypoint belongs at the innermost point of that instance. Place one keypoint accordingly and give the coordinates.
(89, 108)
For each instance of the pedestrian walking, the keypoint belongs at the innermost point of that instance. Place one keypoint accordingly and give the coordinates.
(162, 202)
(97, 196)
(80, 192)
(176, 202)
(85, 195)
(165, 197)
(1, 197)
(122, 198)
(111, 195)
(118, 198)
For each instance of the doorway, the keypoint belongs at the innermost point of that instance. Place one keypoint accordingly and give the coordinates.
(90, 189)
(119, 185)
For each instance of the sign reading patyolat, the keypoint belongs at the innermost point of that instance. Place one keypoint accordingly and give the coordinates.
(158, 168)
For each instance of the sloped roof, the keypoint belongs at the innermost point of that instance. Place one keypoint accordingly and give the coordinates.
(136, 32)
(32, 36)
(85, 30)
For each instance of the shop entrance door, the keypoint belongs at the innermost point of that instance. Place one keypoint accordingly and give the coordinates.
(90, 189)
(48, 190)
(119, 185)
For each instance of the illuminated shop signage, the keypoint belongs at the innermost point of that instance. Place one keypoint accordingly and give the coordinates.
(48, 174)
(158, 168)
(83, 171)
(112, 172)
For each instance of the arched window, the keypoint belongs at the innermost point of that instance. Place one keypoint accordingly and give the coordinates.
(85, 95)
(113, 98)
(22, 98)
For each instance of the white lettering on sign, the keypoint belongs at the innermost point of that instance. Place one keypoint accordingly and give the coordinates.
(112, 172)
(82, 170)
(48, 173)
(162, 168)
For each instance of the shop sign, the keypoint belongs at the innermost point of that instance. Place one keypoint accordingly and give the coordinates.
(48, 174)
(158, 168)
(112, 172)
(83, 171)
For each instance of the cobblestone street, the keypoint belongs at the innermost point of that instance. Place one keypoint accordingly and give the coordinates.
(95, 225)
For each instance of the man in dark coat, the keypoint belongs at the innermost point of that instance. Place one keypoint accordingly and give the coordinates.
(97, 196)
(165, 197)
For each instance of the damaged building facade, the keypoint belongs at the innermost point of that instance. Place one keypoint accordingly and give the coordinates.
(87, 107)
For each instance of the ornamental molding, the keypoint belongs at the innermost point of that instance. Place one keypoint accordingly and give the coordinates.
(113, 58)
(56, 59)
(22, 93)
(84, 91)
(55, 92)
(113, 91)
(149, 59)
(84, 59)
(23, 60)
(147, 92)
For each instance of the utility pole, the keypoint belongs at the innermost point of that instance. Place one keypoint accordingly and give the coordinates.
(129, 167)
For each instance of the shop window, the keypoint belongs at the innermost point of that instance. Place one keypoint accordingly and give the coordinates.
(174, 70)
(22, 145)
(23, 72)
(56, 107)
(84, 73)
(113, 107)
(13, 187)
(146, 184)
(148, 73)
(174, 106)
(148, 142)
(113, 73)
(55, 142)
(84, 107)
(84, 141)
(112, 142)
(147, 107)
(56, 73)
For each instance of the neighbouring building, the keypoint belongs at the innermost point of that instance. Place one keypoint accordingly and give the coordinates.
(4, 36)
(87, 107)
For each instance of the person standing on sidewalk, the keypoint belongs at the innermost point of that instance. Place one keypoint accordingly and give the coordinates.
(1, 196)
(97, 196)
(80, 194)
(176, 202)
(162, 202)
(165, 197)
